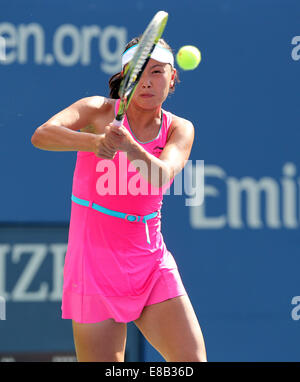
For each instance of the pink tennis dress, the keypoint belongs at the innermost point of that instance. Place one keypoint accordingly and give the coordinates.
(114, 267)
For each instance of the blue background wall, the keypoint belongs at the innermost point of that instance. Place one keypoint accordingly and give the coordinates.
(238, 254)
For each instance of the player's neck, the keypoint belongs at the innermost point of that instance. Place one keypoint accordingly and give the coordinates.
(142, 118)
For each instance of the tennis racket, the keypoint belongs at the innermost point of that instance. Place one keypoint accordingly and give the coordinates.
(136, 66)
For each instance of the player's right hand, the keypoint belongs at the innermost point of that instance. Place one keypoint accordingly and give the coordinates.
(102, 148)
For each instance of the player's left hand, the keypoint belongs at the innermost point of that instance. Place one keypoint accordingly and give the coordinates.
(118, 138)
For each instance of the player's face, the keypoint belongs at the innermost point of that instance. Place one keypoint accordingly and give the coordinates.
(154, 85)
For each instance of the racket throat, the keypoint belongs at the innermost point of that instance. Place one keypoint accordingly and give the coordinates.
(121, 112)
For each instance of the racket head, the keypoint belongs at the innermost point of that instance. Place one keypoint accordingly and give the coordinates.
(134, 69)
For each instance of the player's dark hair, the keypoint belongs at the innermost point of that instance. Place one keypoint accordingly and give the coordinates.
(115, 81)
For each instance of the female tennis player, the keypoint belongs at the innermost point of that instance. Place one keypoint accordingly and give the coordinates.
(117, 267)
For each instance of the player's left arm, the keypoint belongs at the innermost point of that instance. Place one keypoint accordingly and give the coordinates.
(179, 145)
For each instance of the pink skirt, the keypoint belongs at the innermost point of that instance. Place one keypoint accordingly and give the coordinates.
(111, 271)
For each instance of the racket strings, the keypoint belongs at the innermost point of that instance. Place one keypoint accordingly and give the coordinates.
(145, 48)
(136, 66)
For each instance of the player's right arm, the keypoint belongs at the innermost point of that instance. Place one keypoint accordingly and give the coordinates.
(60, 132)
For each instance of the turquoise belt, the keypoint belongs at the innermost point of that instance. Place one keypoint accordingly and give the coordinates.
(117, 214)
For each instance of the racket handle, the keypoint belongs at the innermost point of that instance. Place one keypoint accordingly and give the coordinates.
(118, 123)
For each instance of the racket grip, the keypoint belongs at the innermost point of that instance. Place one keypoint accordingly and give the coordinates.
(118, 123)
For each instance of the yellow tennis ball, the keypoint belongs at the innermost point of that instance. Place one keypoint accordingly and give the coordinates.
(188, 57)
